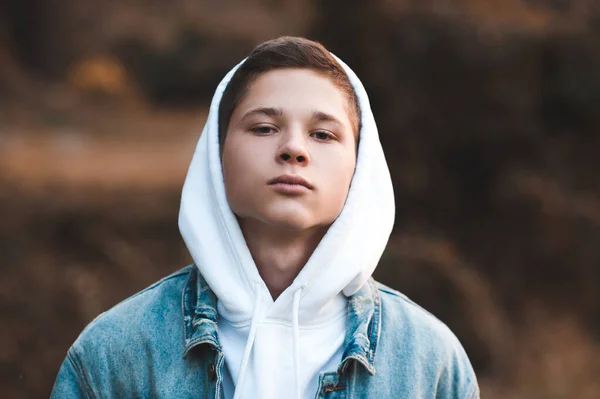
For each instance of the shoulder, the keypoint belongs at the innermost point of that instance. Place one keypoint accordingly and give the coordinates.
(116, 355)
(411, 333)
(136, 321)
(402, 313)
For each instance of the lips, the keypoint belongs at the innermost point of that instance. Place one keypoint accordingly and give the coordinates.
(290, 185)
(291, 180)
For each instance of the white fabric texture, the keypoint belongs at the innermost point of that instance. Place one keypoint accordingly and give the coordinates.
(276, 349)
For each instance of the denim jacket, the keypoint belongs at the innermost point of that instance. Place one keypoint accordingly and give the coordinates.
(163, 343)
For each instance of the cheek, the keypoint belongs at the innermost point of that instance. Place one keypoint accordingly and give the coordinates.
(341, 170)
(241, 173)
(342, 167)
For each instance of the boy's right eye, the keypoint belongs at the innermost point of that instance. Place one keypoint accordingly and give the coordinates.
(263, 130)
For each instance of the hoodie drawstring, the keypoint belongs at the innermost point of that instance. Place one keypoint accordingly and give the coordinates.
(252, 335)
(296, 341)
(249, 343)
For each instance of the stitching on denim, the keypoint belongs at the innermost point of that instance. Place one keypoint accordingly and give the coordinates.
(185, 307)
(362, 360)
(406, 299)
(375, 324)
(203, 320)
(219, 371)
(176, 274)
(350, 392)
(82, 378)
(202, 289)
(195, 315)
(367, 355)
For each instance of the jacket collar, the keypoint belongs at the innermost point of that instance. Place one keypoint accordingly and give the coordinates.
(364, 324)
(199, 306)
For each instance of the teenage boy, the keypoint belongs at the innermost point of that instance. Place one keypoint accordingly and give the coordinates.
(286, 210)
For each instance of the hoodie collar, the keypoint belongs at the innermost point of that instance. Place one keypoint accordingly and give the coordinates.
(199, 305)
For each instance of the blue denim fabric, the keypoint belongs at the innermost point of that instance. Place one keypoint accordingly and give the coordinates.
(163, 343)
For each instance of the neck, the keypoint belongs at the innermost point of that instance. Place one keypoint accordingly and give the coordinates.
(279, 254)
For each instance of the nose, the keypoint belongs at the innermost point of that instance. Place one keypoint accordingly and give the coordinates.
(293, 149)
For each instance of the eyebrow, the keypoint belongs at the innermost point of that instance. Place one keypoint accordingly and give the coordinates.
(268, 111)
(323, 117)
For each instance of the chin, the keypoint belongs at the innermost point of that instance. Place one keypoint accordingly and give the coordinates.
(283, 215)
(295, 216)
(290, 221)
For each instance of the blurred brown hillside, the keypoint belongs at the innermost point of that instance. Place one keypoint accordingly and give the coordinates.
(488, 110)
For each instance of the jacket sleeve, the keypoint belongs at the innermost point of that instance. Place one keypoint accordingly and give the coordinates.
(71, 381)
(458, 379)
(459, 388)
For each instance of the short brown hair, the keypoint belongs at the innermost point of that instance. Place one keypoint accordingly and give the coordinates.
(284, 52)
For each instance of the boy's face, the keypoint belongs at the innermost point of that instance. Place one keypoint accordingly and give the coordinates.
(292, 124)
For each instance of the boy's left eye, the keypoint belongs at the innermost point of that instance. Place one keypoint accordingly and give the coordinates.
(322, 136)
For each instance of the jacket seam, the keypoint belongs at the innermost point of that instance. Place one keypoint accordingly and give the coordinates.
(391, 291)
(178, 273)
(374, 327)
(407, 301)
(352, 389)
(186, 309)
(82, 379)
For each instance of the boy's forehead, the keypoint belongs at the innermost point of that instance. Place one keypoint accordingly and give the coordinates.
(291, 90)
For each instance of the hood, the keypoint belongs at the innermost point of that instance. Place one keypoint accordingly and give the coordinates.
(342, 262)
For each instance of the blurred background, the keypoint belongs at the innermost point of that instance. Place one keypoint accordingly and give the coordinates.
(488, 110)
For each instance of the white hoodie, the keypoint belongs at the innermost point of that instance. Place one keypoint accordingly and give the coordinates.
(276, 349)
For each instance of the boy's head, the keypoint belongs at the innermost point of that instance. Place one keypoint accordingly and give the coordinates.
(288, 126)
(284, 52)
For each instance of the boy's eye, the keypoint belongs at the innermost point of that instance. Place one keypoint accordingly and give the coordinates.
(322, 136)
(262, 130)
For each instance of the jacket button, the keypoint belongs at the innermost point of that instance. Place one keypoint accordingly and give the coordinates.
(212, 372)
